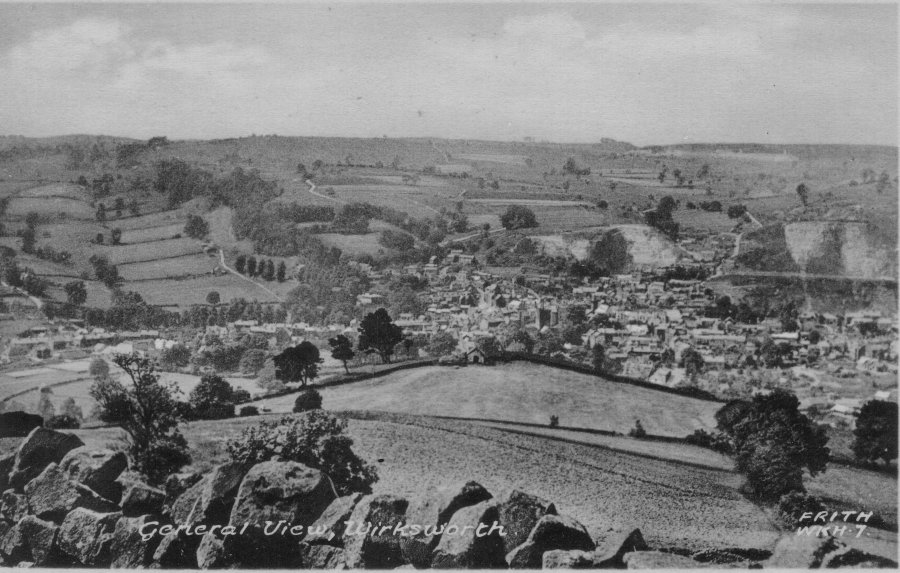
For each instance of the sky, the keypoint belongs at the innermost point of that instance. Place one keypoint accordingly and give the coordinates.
(637, 72)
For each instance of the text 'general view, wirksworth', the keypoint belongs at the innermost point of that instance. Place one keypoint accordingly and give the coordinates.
(511, 285)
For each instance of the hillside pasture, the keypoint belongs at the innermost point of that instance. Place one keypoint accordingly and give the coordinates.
(182, 293)
(493, 158)
(150, 234)
(50, 207)
(157, 250)
(520, 392)
(98, 296)
(151, 220)
(64, 190)
(422, 202)
(173, 267)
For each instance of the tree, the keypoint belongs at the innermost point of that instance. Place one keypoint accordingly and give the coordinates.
(876, 432)
(803, 192)
(692, 362)
(212, 297)
(522, 337)
(28, 240)
(441, 344)
(518, 217)
(598, 357)
(281, 272)
(101, 212)
(45, 406)
(146, 410)
(884, 182)
(76, 293)
(577, 314)
(214, 398)
(71, 409)
(341, 349)
(378, 333)
(115, 237)
(268, 273)
(196, 227)
(298, 363)
(240, 264)
(176, 356)
(251, 267)
(774, 443)
(307, 400)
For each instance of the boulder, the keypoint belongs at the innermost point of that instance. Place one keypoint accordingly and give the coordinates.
(434, 511)
(658, 560)
(731, 555)
(858, 560)
(129, 549)
(177, 550)
(18, 424)
(41, 538)
(212, 553)
(518, 513)
(318, 556)
(14, 545)
(275, 492)
(97, 469)
(52, 495)
(13, 506)
(6, 465)
(471, 539)
(567, 559)
(141, 499)
(209, 500)
(615, 545)
(328, 529)
(802, 551)
(380, 547)
(551, 532)
(86, 536)
(41, 448)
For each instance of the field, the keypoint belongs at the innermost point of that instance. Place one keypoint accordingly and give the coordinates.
(149, 234)
(185, 292)
(56, 207)
(173, 267)
(520, 392)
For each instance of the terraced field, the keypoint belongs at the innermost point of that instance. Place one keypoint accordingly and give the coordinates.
(148, 234)
(62, 207)
(183, 293)
(157, 250)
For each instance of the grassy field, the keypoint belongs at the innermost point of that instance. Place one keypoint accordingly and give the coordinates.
(190, 291)
(147, 234)
(520, 392)
(157, 250)
(53, 207)
(187, 265)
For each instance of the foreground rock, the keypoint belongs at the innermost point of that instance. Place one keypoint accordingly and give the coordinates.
(551, 532)
(329, 528)
(41, 448)
(210, 500)
(276, 492)
(616, 545)
(97, 469)
(518, 513)
(52, 495)
(86, 536)
(658, 560)
(41, 538)
(141, 499)
(435, 511)
(471, 540)
(129, 549)
(381, 516)
(322, 556)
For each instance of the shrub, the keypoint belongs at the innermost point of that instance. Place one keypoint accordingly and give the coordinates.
(308, 400)
(793, 505)
(62, 422)
(638, 430)
(554, 421)
(162, 458)
(249, 411)
(315, 439)
(715, 441)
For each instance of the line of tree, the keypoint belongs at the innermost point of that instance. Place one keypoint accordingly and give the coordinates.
(263, 268)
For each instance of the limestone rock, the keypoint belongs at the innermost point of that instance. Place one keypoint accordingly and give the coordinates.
(468, 542)
(212, 553)
(141, 499)
(272, 492)
(332, 522)
(97, 469)
(379, 550)
(52, 495)
(318, 556)
(610, 554)
(567, 559)
(86, 536)
(13, 506)
(41, 538)
(177, 550)
(801, 551)
(436, 510)
(518, 513)
(128, 548)
(41, 448)
(209, 501)
(551, 532)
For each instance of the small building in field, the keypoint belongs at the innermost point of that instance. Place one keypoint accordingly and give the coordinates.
(476, 356)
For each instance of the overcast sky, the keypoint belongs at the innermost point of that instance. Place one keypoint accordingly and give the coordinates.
(644, 73)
